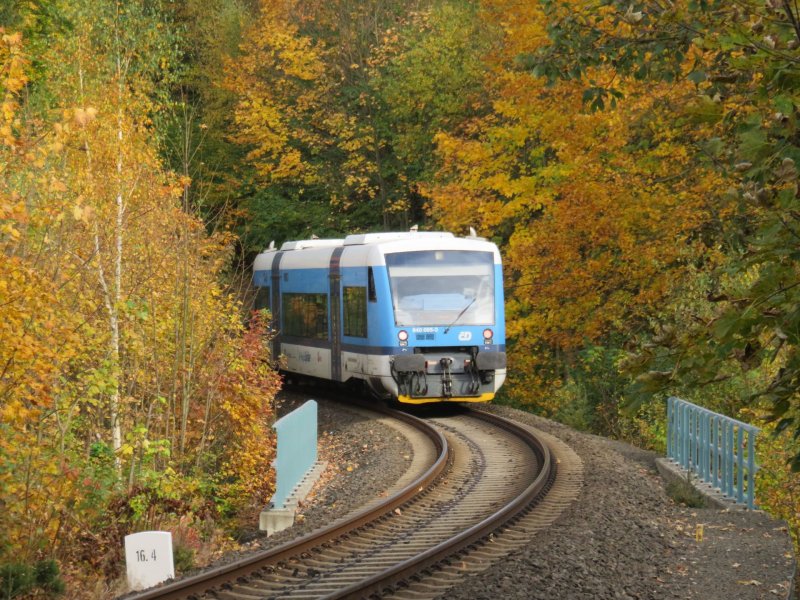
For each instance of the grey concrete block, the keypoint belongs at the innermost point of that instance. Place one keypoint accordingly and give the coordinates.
(672, 472)
(277, 518)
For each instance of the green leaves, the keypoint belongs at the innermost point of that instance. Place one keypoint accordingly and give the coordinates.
(740, 60)
(697, 77)
(639, 41)
(598, 97)
(754, 145)
(703, 110)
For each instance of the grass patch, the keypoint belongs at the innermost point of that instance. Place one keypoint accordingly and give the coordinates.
(41, 580)
(683, 492)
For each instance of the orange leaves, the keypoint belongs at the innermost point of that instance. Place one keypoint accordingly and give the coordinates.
(82, 213)
(12, 40)
(248, 386)
(110, 294)
(596, 220)
(29, 334)
(12, 81)
(16, 415)
(13, 213)
(116, 326)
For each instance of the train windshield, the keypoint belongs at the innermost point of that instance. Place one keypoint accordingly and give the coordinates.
(442, 287)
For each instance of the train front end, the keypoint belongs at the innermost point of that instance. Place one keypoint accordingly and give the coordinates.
(446, 322)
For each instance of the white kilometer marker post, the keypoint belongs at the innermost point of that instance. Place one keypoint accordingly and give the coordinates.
(148, 555)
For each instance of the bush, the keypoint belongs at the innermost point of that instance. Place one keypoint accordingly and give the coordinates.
(683, 492)
(17, 579)
(183, 557)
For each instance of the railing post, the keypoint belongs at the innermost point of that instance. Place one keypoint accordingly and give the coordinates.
(740, 464)
(670, 427)
(720, 433)
(731, 473)
(695, 441)
(686, 437)
(751, 468)
(712, 447)
(704, 446)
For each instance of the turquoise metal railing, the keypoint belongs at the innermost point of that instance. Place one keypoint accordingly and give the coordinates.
(721, 451)
(297, 450)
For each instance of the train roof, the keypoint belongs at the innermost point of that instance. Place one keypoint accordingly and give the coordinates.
(302, 244)
(383, 242)
(360, 239)
(376, 238)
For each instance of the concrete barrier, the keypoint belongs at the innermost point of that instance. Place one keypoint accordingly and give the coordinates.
(296, 466)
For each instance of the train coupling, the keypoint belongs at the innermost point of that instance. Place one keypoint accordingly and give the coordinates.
(466, 370)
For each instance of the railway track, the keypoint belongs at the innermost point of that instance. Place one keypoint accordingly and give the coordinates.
(481, 477)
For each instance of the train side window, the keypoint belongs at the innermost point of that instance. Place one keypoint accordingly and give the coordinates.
(262, 298)
(373, 295)
(305, 315)
(355, 311)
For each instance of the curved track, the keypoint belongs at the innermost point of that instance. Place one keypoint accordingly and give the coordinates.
(484, 476)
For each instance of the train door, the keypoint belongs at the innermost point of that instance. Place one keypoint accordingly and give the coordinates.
(335, 276)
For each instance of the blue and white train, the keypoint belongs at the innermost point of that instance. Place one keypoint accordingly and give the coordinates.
(417, 316)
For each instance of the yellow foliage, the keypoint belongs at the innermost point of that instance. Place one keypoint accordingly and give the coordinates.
(598, 225)
(777, 487)
(271, 80)
(110, 294)
(13, 80)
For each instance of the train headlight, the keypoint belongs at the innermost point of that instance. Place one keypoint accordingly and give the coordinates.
(402, 335)
(487, 335)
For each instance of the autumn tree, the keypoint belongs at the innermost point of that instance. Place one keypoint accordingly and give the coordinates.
(740, 59)
(349, 95)
(596, 227)
(430, 79)
(128, 372)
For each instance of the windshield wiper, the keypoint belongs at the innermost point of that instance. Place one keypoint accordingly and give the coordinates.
(461, 314)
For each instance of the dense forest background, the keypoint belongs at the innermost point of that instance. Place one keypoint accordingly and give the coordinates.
(635, 161)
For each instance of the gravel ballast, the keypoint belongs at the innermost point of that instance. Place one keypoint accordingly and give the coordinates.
(622, 538)
(364, 459)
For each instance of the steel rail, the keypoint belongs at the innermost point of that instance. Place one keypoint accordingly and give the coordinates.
(202, 582)
(406, 569)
